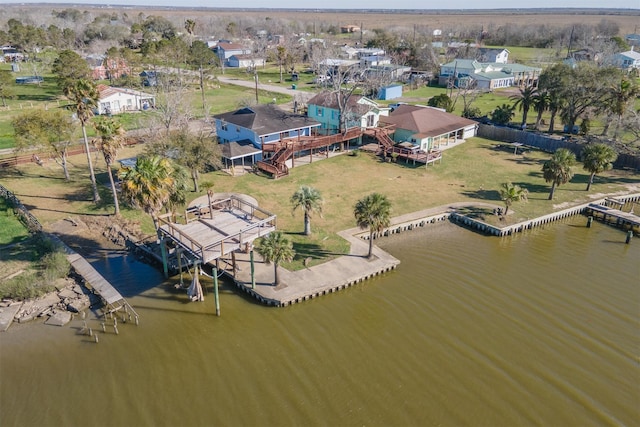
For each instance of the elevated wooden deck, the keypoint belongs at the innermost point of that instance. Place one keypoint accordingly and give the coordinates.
(287, 148)
(210, 232)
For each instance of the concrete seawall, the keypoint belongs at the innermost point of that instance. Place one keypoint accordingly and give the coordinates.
(401, 224)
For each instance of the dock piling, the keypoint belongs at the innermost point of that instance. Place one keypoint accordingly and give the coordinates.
(629, 236)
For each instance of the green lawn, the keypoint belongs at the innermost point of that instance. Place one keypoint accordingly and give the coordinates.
(471, 172)
(11, 229)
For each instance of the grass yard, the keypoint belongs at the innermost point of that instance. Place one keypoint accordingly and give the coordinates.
(471, 172)
(11, 229)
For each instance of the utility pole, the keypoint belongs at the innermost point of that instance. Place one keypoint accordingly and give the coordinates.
(255, 76)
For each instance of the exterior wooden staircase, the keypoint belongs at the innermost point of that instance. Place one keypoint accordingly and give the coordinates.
(284, 150)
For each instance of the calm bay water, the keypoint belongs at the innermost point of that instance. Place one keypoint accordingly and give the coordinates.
(540, 328)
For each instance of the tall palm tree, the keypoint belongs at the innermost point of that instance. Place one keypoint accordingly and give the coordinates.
(149, 184)
(190, 26)
(310, 200)
(557, 170)
(510, 193)
(597, 158)
(540, 105)
(110, 141)
(619, 98)
(373, 212)
(276, 248)
(556, 103)
(84, 96)
(525, 100)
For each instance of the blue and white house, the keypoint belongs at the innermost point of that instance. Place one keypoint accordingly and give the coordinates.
(247, 130)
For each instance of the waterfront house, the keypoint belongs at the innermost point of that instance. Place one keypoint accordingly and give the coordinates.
(259, 125)
(359, 111)
(426, 127)
(115, 100)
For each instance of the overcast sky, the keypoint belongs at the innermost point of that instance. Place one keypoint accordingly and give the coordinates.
(360, 4)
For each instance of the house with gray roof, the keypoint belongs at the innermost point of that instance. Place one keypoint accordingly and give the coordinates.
(488, 76)
(258, 125)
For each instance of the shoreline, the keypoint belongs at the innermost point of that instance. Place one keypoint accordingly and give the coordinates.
(336, 274)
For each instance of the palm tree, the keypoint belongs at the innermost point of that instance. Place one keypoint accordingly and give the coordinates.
(149, 184)
(373, 212)
(597, 158)
(510, 193)
(525, 100)
(84, 96)
(190, 26)
(620, 96)
(310, 200)
(556, 103)
(557, 170)
(540, 105)
(111, 140)
(276, 248)
(503, 114)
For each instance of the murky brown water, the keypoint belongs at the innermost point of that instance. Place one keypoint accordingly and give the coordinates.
(537, 329)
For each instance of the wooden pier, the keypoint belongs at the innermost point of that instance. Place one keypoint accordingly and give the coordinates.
(112, 299)
(608, 215)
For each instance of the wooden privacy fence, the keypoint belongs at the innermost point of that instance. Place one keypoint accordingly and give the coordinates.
(22, 159)
(548, 143)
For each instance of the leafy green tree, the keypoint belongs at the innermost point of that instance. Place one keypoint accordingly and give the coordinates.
(197, 152)
(503, 114)
(276, 248)
(597, 158)
(112, 136)
(524, 100)
(441, 101)
(69, 67)
(558, 170)
(149, 184)
(510, 193)
(84, 96)
(373, 212)
(7, 90)
(52, 129)
(309, 200)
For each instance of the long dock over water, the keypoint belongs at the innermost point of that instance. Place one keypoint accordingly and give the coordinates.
(112, 299)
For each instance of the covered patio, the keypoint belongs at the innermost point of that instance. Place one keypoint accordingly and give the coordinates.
(239, 156)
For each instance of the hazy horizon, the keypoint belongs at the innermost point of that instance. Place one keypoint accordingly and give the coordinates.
(350, 4)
